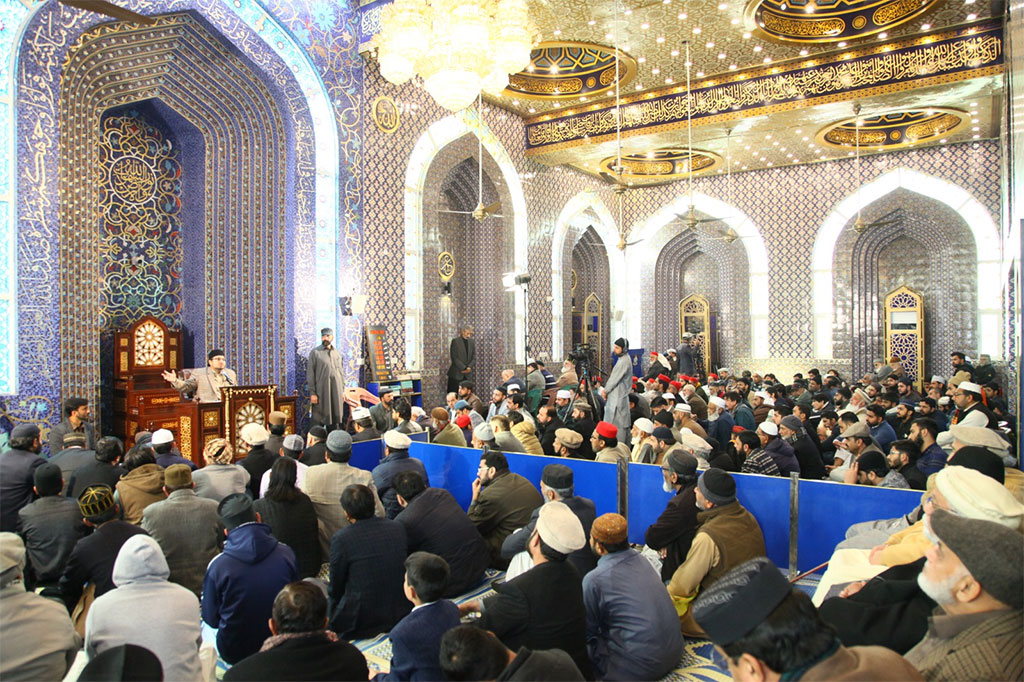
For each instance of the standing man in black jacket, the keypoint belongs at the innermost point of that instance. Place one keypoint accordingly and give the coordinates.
(463, 356)
(543, 608)
(673, 532)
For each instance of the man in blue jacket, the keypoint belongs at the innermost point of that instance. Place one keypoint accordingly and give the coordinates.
(416, 640)
(241, 583)
(396, 460)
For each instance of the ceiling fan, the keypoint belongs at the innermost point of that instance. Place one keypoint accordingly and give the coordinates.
(481, 212)
(110, 10)
(690, 219)
(859, 226)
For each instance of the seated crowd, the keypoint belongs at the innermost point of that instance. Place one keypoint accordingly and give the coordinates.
(144, 566)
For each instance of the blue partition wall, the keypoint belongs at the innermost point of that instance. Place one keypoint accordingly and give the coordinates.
(455, 469)
(368, 453)
(827, 509)
(766, 497)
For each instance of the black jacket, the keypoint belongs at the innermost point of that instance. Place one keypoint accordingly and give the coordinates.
(585, 427)
(314, 454)
(311, 657)
(94, 473)
(294, 524)
(92, 560)
(554, 664)
(367, 577)
(50, 526)
(17, 468)
(434, 522)
(541, 608)
(258, 462)
(915, 478)
(583, 559)
(890, 611)
(674, 530)
(811, 464)
(547, 436)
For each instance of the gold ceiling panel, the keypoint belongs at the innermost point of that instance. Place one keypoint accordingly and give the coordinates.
(894, 129)
(662, 164)
(830, 21)
(571, 70)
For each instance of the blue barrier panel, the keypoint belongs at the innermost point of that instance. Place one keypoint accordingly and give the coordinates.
(827, 509)
(766, 497)
(455, 469)
(368, 453)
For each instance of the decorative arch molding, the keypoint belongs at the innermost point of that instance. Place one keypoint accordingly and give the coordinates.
(653, 234)
(573, 215)
(986, 241)
(433, 139)
(257, 35)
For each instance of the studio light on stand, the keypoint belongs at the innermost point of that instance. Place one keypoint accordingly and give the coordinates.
(515, 281)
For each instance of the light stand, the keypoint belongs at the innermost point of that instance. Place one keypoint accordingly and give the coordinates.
(520, 280)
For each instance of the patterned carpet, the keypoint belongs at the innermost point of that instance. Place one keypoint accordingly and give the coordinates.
(699, 662)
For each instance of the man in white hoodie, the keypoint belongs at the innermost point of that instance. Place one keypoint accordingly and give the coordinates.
(148, 611)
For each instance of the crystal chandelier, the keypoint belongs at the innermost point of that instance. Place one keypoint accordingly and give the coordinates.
(458, 47)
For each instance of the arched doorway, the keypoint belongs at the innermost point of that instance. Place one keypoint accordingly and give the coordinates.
(591, 295)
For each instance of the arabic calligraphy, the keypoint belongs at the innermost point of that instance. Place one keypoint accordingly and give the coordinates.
(922, 61)
(132, 179)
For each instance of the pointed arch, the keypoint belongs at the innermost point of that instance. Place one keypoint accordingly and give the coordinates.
(433, 139)
(982, 227)
(571, 216)
(651, 234)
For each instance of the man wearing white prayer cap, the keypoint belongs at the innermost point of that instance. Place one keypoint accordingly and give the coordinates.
(720, 421)
(779, 450)
(543, 608)
(365, 430)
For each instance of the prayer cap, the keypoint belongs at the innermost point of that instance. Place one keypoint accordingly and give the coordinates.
(683, 407)
(972, 494)
(339, 442)
(664, 379)
(938, 379)
(218, 451)
(664, 433)
(294, 442)
(557, 476)
(326, 330)
(144, 438)
(563, 394)
(607, 430)
(216, 352)
(717, 402)
(47, 477)
(792, 422)
(12, 552)
(440, 414)
(682, 463)
(569, 438)
(609, 529)
(768, 428)
(462, 421)
(717, 487)
(321, 433)
(694, 442)
(740, 600)
(969, 386)
(95, 500)
(25, 431)
(582, 405)
(396, 440)
(384, 390)
(980, 436)
(161, 436)
(972, 457)
(177, 476)
(644, 424)
(73, 438)
(236, 509)
(483, 431)
(515, 387)
(254, 434)
(277, 418)
(990, 551)
(668, 396)
(360, 413)
(559, 528)
(858, 430)
(461, 404)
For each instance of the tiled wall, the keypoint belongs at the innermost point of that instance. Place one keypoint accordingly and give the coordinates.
(590, 261)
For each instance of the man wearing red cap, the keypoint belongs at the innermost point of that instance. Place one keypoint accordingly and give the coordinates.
(607, 447)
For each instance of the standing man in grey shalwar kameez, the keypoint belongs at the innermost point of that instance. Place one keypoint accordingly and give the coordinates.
(617, 389)
(325, 381)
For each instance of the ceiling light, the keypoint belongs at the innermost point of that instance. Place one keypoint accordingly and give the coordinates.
(721, 55)
(975, 128)
(645, 26)
(723, 6)
(655, 71)
(583, 98)
(609, 36)
(746, 36)
(688, 63)
(735, 20)
(747, 147)
(732, 67)
(803, 53)
(591, 22)
(767, 60)
(696, 29)
(639, 87)
(709, 44)
(681, 16)
(625, 48)
(661, 39)
(926, 27)
(668, 81)
(532, 110)
(628, 12)
(768, 136)
(554, 68)
(700, 74)
(805, 138)
(674, 53)
(530, 68)
(943, 140)
(883, 35)
(757, 48)
(973, 104)
(972, 17)
(641, 60)
(842, 43)
(558, 32)
(976, 137)
(968, 2)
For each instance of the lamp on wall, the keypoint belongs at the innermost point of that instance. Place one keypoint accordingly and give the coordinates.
(458, 47)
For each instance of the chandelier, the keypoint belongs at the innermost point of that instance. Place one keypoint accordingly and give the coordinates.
(458, 47)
